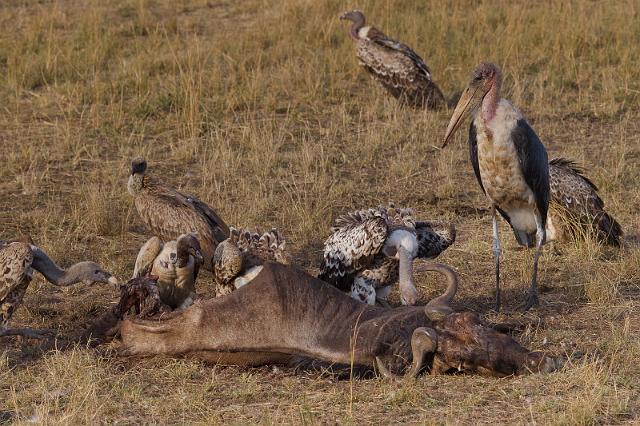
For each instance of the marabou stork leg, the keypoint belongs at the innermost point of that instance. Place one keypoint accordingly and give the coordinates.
(496, 254)
(532, 299)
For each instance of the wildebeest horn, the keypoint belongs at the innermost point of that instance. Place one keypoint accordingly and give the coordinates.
(423, 341)
(441, 305)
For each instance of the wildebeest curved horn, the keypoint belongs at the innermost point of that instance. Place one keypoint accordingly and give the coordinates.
(441, 305)
(423, 341)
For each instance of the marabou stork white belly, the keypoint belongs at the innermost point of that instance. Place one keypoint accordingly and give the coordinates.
(500, 168)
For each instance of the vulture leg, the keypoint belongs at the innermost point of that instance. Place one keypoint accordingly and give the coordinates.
(496, 254)
(532, 299)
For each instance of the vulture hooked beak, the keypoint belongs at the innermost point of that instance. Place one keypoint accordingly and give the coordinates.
(468, 101)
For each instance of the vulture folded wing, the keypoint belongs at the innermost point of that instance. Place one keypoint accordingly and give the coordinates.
(351, 247)
(15, 264)
(434, 238)
(147, 254)
(415, 60)
(576, 195)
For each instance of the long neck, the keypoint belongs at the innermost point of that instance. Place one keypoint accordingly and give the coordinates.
(491, 99)
(52, 272)
(355, 27)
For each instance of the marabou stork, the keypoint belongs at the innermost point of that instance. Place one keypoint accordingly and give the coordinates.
(510, 163)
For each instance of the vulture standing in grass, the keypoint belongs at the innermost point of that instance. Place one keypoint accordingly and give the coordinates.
(510, 163)
(17, 262)
(370, 250)
(170, 213)
(240, 257)
(576, 209)
(176, 264)
(395, 65)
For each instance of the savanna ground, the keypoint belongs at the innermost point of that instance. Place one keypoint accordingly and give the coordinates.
(260, 108)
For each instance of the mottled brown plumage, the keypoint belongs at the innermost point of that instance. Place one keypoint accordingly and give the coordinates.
(169, 213)
(362, 253)
(576, 209)
(395, 65)
(239, 258)
(17, 262)
(176, 264)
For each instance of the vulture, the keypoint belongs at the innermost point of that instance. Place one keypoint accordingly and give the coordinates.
(395, 65)
(369, 250)
(169, 213)
(510, 163)
(176, 264)
(239, 258)
(576, 209)
(17, 262)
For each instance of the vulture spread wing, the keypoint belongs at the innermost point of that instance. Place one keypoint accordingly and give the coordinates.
(577, 197)
(15, 264)
(356, 239)
(146, 256)
(434, 238)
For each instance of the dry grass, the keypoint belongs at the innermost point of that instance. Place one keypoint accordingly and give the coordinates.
(259, 107)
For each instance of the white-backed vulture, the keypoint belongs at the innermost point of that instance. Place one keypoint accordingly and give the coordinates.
(169, 213)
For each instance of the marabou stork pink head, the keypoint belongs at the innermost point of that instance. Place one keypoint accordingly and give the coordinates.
(485, 83)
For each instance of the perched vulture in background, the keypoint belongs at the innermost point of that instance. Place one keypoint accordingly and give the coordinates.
(576, 210)
(395, 65)
(239, 258)
(17, 262)
(169, 213)
(369, 250)
(176, 264)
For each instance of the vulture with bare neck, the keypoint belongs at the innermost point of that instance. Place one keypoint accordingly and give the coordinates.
(170, 213)
(395, 65)
(176, 264)
(370, 250)
(18, 260)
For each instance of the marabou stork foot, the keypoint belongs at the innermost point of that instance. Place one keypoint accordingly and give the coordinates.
(28, 332)
(532, 301)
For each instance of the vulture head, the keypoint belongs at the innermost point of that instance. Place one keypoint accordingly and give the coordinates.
(483, 79)
(138, 169)
(357, 17)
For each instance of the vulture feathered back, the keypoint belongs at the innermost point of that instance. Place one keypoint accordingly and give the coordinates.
(17, 262)
(239, 258)
(395, 65)
(367, 249)
(169, 213)
(576, 209)
(176, 264)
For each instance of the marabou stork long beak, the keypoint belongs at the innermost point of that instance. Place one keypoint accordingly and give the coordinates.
(468, 101)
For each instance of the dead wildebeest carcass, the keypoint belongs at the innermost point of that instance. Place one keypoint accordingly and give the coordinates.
(285, 312)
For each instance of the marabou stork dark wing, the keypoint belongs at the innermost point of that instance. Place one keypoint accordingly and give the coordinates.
(534, 163)
(351, 248)
(578, 197)
(434, 238)
(380, 38)
(473, 153)
(15, 265)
